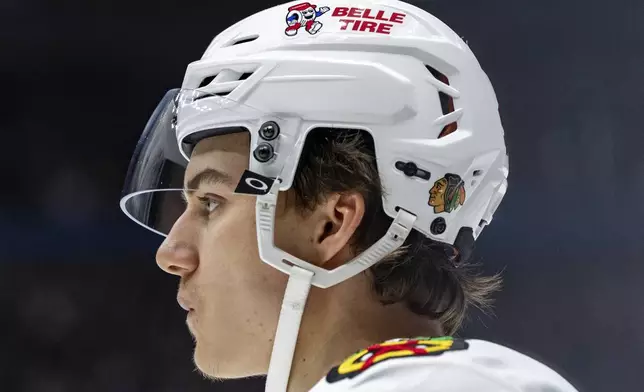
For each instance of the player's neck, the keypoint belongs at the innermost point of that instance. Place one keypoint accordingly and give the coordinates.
(342, 320)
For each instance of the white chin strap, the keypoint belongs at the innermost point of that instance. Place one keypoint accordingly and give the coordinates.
(288, 326)
(302, 275)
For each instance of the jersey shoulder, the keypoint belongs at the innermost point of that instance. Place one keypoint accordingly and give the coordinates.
(438, 364)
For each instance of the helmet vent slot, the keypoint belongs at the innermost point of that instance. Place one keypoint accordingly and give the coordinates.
(224, 82)
(207, 81)
(245, 75)
(447, 102)
(242, 40)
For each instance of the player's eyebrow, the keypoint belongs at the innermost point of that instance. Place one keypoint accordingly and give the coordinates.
(208, 176)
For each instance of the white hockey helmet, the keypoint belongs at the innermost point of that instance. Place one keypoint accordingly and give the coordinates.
(385, 67)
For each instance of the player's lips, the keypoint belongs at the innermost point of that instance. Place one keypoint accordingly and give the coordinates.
(184, 303)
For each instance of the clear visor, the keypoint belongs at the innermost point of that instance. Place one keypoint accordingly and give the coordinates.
(153, 191)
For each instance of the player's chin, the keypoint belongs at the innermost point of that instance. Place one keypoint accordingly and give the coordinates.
(215, 367)
(206, 365)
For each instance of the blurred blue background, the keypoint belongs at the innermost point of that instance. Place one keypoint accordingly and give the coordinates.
(84, 307)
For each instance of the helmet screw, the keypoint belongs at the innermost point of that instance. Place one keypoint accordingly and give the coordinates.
(410, 169)
(438, 226)
(269, 130)
(264, 152)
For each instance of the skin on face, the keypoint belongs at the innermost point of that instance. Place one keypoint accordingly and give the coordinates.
(234, 298)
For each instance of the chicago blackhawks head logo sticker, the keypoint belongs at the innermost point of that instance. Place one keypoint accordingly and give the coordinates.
(397, 348)
(304, 15)
(447, 193)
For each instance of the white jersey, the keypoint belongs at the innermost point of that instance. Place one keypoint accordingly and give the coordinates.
(441, 365)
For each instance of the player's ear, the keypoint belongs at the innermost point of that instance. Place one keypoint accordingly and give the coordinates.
(337, 220)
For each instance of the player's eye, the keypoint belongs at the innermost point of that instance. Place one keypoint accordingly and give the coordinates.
(209, 204)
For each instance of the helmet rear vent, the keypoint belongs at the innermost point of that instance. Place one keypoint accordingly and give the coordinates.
(447, 102)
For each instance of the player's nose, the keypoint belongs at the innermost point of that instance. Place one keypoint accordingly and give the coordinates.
(177, 255)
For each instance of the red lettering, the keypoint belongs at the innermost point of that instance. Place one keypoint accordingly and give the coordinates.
(345, 23)
(397, 18)
(367, 14)
(371, 26)
(355, 12)
(380, 16)
(384, 28)
(340, 11)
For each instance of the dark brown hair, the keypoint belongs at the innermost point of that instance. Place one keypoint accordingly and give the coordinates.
(428, 276)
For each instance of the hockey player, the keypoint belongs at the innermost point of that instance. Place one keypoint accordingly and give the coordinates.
(333, 186)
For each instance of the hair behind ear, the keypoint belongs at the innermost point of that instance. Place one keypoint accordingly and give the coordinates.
(428, 276)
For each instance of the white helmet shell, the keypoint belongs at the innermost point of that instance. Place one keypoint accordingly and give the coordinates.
(385, 67)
